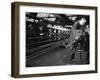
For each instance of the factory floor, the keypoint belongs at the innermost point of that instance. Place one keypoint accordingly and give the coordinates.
(57, 57)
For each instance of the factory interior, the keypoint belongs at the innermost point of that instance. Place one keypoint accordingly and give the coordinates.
(54, 39)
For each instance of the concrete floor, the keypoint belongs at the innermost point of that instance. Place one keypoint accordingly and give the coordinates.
(55, 57)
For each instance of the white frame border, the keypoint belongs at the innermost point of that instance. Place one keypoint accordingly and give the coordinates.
(53, 69)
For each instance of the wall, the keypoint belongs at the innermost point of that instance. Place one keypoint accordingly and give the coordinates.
(5, 40)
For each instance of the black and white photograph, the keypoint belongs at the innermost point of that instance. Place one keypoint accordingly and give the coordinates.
(57, 39)
(51, 39)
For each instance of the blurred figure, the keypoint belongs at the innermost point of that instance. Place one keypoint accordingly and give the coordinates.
(81, 42)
